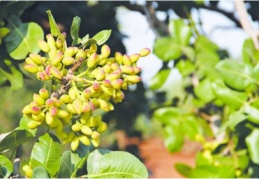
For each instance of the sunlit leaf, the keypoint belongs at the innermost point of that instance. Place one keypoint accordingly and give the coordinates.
(6, 167)
(166, 49)
(204, 91)
(46, 153)
(252, 113)
(102, 36)
(230, 97)
(235, 74)
(249, 52)
(114, 164)
(252, 142)
(191, 127)
(233, 120)
(180, 31)
(166, 114)
(185, 67)
(23, 39)
(14, 139)
(203, 44)
(53, 25)
(159, 79)
(74, 30)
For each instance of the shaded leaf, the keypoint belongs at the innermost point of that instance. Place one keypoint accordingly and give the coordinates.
(24, 125)
(252, 142)
(252, 113)
(23, 39)
(74, 30)
(166, 114)
(102, 36)
(13, 7)
(15, 77)
(40, 172)
(46, 153)
(14, 139)
(191, 127)
(159, 79)
(233, 120)
(235, 74)
(6, 168)
(185, 67)
(65, 166)
(114, 164)
(166, 49)
(230, 97)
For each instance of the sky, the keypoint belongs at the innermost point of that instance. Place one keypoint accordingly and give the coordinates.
(135, 26)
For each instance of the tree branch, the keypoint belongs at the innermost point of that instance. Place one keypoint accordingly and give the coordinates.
(246, 24)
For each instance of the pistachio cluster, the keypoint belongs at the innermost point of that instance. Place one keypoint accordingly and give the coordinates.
(83, 81)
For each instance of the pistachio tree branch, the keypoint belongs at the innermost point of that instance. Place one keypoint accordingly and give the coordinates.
(246, 24)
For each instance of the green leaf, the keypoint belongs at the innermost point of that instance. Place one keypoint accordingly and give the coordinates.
(249, 52)
(167, 49)
(74, 30)
(13, 7)
(15, 77)
(252, 142)
(78, 158)
(252, 113)
(40, 172)
(102, 36)
(204, 91)
(46, 153)
(166, 114)
(185, 67)
(114, 164)
(23, 39)
(233, 120)
(235, 74)
(189, 52)
(230, 97)
(14, 139)
(65, 166)
(159, 79)
(54, 30)
(203, 44)
(191, 127)
(6, 167)
(174, 136)
(180, 31)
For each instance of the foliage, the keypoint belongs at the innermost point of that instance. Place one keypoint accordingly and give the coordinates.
(219, 107)
(81, 83)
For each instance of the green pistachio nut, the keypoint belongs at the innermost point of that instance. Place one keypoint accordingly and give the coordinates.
(117, 83)
(50, 102)
(144, 52)
(77, 105)
(42, 75)
(113, 76)
(71, 109)
(57, 59)
(43, 46)
(87, 93)
(35, 58)
(107, 68)
(49, 119)
(76, 127)
(132, 78)
(72, 92)
(105, 51)
(115, 66)
(59, 44)
(93, 48)
(100, 75)
(136, 70)
(108, 90)
(92, 60)
(118, 57)
(53, 111)
(68, 61)
(84, 117)
(126, 69)
(32, 124)
(94, 121)
(75, 143)
(56, 73)
(95, 142)
(86, 107)
(35, 110)
(103, 105)
(52, 54)
(28, 60)
(51, 41)
(134, 58)
(31, 68)
(27, 109)
(38, 99)
(65, 98)
(81, 54)
(102, 127)
(85, 140)
(95, 135)
(86, 130)
(44, 93)
(126, 60)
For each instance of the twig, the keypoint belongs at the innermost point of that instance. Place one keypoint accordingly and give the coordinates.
(246, 24)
